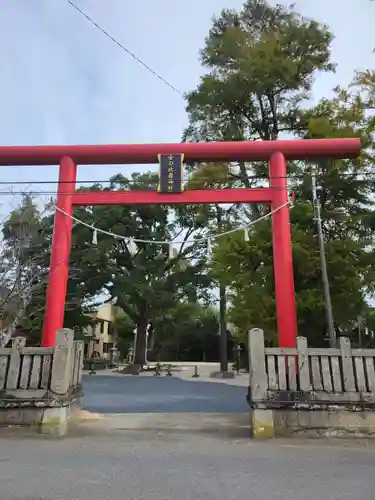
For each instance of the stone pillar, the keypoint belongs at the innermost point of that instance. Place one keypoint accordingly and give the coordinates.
(62, 365)
(55, 419)
(262, 425)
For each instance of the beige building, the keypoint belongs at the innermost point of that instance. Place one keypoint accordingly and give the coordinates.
(101, 337)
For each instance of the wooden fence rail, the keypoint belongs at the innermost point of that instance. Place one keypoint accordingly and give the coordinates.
(35, 369)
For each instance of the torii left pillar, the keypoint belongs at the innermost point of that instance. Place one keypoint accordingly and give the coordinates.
(61, 242)
(282, 253)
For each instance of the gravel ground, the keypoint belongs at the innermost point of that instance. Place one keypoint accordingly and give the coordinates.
(178, 465)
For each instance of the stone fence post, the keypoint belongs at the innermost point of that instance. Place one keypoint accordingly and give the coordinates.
(15, 363)
(261, 419)
(62, 364)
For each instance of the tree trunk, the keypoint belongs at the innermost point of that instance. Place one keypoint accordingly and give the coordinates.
(140, 344)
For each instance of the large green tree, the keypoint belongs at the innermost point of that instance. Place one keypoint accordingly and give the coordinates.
(23, 264)
(144, 278)
(260, 64)
(345, 196)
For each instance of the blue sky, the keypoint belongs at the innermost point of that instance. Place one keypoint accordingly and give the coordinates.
(63, 81)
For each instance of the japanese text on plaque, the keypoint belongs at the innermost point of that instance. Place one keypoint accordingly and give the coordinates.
(170, 173)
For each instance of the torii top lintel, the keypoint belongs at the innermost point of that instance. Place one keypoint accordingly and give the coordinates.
(201, 151)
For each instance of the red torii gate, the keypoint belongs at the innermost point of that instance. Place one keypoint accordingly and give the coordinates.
(276, 152)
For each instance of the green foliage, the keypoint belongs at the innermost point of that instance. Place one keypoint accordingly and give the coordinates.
(345, 193)
(24, 263)
(187, 332)
(146, 281)
(124, 327)
(260, 63)
(247, 269)
(25, 259)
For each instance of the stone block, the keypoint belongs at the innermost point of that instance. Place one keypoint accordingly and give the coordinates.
(20, 416)
(54, 421)
(324, 423)
(131, 370)
(223, 375)
(262, 426)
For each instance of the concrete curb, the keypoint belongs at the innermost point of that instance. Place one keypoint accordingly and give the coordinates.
(194, 422)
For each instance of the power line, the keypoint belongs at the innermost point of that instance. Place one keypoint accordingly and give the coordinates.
(150, 185)
(122, 47)
(78, 192)
(289, 177)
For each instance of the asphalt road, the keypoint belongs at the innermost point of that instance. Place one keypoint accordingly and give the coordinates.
(107, 461)
(148, 394)
(169, 466)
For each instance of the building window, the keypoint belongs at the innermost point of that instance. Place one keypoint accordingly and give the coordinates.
(107, 346)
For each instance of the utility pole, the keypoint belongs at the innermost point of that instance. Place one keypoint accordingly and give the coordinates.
(323, 265)
(223, 329)
(222, 310)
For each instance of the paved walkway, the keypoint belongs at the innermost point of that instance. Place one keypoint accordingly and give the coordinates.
(116, 393)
